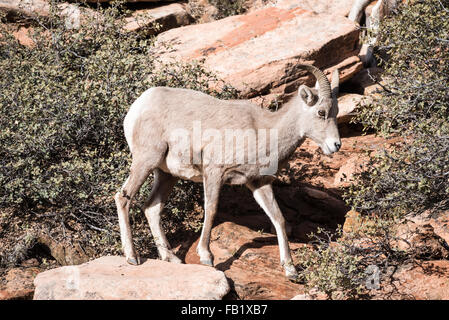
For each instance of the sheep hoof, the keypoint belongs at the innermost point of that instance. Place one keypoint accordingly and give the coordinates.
(171, 258)
(293, 277)
(132, 261)
(175, 259)
(207, 262)
(291, 273)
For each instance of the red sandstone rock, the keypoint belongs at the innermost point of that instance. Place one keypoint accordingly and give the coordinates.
(421, 240)
(166, 16)
(348, 104)
(258, 52)
(428, 281)
(19, 284)
(352, 165)
(74, 14)
(438, 220)
(334, 7)
(251, 260)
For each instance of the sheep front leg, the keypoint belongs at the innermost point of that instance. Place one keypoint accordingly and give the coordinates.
(211, 194)
(263, 193)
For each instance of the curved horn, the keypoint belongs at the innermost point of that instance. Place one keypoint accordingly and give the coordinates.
(325, 86)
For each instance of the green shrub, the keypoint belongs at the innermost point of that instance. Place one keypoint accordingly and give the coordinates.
(413, 175)
(331, 268)
(228, 8)
(341, 264)
(223, 8)
(410, 176)
(63, 101)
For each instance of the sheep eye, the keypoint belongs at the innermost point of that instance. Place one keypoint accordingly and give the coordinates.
(322, 113)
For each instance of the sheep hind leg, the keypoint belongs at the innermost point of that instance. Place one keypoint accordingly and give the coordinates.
(162, 186)
(123, 198)
(141, 167)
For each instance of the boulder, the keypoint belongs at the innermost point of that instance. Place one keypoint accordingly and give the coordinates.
(348, 104)
(426, 281)
(25, 7)
(250, 259)
(65, 254)
(439, 220)
(166, 17)
(258, 53)
(19, 284)
(351, 165)
(421, 240)
(73, 13)
(111, 277)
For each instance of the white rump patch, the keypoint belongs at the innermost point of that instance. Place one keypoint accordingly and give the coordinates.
(133, 114)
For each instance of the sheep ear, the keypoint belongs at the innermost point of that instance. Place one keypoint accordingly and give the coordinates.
(317, 86)
(307, 95)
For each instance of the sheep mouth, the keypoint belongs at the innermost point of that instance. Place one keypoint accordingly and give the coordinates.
(328, 150)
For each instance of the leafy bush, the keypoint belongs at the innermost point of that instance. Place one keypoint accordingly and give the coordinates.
(414, 174)
(223, 8)
(344, 264)
(63, 100)
(331, 268)
(228, 8)
(410, 176)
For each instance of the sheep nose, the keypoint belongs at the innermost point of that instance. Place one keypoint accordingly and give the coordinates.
(337, 145)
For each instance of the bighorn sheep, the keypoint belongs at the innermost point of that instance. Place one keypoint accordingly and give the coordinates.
(159, 127)
(380, 10)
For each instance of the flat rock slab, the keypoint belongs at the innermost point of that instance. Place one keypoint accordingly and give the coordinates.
(111, 278)
(258, 53)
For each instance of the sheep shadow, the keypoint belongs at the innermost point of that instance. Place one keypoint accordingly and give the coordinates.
(303, 213)
(256, 243)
